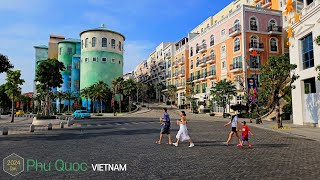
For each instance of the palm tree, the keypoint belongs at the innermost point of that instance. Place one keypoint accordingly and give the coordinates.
(118, 89)
(85, 93)
(101, 92)
(92, 95)
(129, 89)
(223, 91)
(68, 95)
(159, 88)
(59, 95)
(172, 92)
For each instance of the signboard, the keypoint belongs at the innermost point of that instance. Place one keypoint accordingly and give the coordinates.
(252, 90)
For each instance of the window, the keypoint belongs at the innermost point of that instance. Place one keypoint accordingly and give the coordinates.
(81, 44)
(113, 43)
(191, 64)
(272, 23)
(69, 84)
(274, 45)
(239, 98)
(86, 43)
(69, 51)
(309, 86)
(204, 58)
(86, 59)
(255, 62)
(204, 86)
(212, 55)
(223, 32)
(60, 51)
(223, 50)
(254, 41)
(237, 62)
(169, 63)
(253, 24)
(104, 42)
(212, 40)
(198, 62)
(94, 59)
(197, 48)
(94, 42)
(119, 46)
(236, 25)
(203, 42)
(191, 51)
(77, 65)
(212, 70)
(198, 89)
(104, 59)
(113, 60)
(307, 52)
(201, 29)
(224, 65)
(77, 83)
(236, 45)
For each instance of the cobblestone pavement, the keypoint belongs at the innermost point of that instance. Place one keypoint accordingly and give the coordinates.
(130, 140)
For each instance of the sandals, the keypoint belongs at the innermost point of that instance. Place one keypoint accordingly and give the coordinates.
(158, 142)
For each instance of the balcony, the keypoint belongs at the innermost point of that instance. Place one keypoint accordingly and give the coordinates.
(196, 78)
(182, 73)
(254, 46)
(275, 30)
(253, 28)
(167, 55)
(237, 66)
(202, 48)
(203, 62)
(176, 64)
(203, 76)
(234, 31)
(190, 79)
(181, 85)
(176, 74)
(211, 74)
(211, 59)
(181, 61)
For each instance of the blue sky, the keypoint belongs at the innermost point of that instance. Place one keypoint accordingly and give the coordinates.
(145, 23)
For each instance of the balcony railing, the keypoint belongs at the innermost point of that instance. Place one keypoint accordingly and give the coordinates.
(202, 48)
(176, 64)
(275, 29)
(181, 61)
(211, 58)
(211, 74)
(203, 62)
(256, 46)
(236, 66)
(235, 30)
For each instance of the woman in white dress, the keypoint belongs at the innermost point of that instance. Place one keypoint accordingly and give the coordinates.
(183, 131)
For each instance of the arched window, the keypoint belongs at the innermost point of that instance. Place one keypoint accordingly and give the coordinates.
(203, 42)
(223, 50)
(197, 48)
(113, 43)
(169, 63)
(204, 58)
(212, 40)
(272, 23)
(253, 24)
(94, 41)
(201, 29)
(254, 41)
(104, 42)
(212, 55)
(86, 43)
(191, 51)
(236, 25)
(274, 44)
(119, 46)
(236, 45)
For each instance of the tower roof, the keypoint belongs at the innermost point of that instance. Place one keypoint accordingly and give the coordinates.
(103, 28)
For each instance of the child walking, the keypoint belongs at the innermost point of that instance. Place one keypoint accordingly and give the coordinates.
(245, 134)
(234, 129)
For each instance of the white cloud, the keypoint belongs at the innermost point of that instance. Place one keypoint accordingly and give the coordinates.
(136, 52)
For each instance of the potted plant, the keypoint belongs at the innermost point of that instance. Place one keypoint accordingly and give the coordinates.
(317, 40)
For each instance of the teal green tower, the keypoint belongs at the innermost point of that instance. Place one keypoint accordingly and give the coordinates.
(101, 56)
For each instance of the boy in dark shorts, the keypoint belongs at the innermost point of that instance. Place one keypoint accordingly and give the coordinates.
(245, 134)
(165, 127)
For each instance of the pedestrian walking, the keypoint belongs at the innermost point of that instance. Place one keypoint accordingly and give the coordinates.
(182, 134)
(245, 134)
(234, 128)
(165, 127)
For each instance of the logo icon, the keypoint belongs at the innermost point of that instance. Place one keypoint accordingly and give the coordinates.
(13, 164)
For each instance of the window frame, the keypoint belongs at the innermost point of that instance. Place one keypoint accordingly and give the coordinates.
(93, 42)
(236, 47)
(256, 23)
(104, 42)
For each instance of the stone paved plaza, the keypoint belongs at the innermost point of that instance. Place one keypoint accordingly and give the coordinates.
(130, 140)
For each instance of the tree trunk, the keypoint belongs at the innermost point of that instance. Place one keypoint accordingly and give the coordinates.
(159, 97)
(171, 102)
(101, 105)
(278, 116)
(59, 105)
(93, 106)
(12, 110)
(119, 104)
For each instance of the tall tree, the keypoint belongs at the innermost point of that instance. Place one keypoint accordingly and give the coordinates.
(49, 76)
(129, 90)
(5, 64)
(159, 87)
(172, 90)
(13, 88)
(5, 101)
(223, 92)
(69, 96)
(85, 93)
(101, 91)
(277, 77)
(118, 89)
